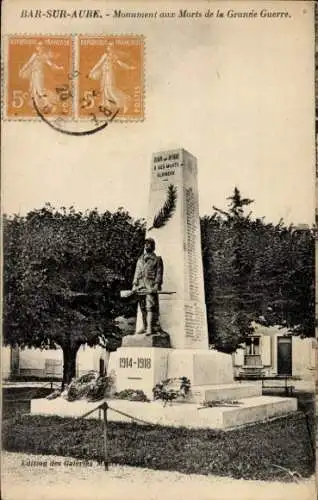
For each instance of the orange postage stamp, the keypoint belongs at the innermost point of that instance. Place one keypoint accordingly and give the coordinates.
(39, 69)
(111, 76)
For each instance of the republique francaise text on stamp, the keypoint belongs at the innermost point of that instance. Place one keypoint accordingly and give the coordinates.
(74, 78)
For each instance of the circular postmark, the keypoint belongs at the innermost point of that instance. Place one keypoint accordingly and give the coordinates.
(63, 99)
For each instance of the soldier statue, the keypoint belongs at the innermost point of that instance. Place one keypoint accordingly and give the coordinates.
(147, 283)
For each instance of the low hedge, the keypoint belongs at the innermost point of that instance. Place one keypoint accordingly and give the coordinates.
(253, 452)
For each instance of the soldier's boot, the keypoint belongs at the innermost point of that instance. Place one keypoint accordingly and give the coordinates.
(156, 327)
(149, 330)
(144, 321)
(141, 331)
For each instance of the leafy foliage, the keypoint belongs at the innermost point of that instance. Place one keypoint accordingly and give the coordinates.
(220, 403)
(63, 271)
(131, 395)
(167, 211)
(90, 386)
(172, 389)
(255, 271)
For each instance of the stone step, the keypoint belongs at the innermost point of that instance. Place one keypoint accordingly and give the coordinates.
(225, 392)
(260, 408)
(142, 340)
(247, 411)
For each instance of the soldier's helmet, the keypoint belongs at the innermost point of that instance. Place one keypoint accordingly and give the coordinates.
(151, 243)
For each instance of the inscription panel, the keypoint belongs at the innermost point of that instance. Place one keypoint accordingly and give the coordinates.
(191, 237)
(194, 321)
(164, 165)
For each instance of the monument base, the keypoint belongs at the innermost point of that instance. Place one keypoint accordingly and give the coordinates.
(210, 372)
(138, 368)
(141, 368)
(247, 411)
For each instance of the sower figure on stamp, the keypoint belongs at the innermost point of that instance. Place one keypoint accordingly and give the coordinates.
(149, 277)
(104, 70)
(33, 70)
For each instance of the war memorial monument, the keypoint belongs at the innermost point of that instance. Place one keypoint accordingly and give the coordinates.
(171, 339)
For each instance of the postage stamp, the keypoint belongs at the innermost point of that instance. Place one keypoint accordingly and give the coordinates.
(111, 75)
(75, 78)
(38, 76)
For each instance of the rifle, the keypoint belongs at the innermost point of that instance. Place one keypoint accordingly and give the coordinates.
(143, 291)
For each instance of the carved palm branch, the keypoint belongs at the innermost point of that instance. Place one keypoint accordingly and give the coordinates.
(167, 210)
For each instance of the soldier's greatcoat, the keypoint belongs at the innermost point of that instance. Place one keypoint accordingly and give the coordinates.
(149, 271)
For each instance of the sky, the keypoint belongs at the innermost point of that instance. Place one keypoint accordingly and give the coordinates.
(237, 94)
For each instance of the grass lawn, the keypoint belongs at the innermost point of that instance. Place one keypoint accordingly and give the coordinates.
(262, 451)
(17, 400)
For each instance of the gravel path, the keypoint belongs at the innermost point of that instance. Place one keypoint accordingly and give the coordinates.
(74, 481)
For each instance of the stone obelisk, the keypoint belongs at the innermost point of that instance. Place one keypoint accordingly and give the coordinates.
(173, 221)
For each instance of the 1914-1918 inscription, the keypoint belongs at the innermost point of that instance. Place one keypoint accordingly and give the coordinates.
(135, 363)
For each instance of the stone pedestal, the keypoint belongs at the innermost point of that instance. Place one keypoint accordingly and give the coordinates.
(142, 340)
(139, 368)
(201, 367)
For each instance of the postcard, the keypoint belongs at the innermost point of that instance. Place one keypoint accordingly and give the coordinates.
(158, 232)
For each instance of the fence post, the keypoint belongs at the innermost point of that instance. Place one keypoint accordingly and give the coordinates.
(105, 407)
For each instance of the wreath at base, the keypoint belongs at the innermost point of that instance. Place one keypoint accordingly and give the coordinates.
(90, 386)
(172, 389)
(219, 403)
(131, 395)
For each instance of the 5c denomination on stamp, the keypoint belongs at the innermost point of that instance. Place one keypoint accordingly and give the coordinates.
(76, 84)
(111, 75)
(38, 72)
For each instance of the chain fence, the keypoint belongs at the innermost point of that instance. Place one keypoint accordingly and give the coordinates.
(103, 407)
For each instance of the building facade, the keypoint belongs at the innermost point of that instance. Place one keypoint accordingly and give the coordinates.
(273, 351)
(41, 364)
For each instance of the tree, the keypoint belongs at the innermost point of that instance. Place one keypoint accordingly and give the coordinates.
(227, 267)
(255, 271)
(286, 274)
(63, 271)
